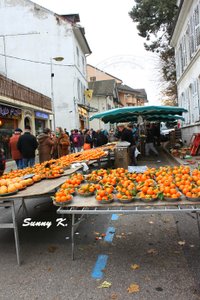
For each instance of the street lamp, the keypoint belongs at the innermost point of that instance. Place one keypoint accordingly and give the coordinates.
(58, 58)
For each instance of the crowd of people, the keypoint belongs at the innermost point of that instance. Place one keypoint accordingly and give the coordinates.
(52, 145)
(49, 145)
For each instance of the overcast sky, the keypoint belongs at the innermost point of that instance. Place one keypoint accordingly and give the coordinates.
(112, 36)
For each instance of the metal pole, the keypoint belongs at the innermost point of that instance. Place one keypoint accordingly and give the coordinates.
(72, 235)
(16, 234)
(52, 93)
(4, 50)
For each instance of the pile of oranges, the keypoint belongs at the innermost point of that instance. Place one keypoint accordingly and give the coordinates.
(162, 184)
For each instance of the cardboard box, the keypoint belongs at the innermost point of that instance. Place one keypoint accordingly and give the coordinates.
(122, 157)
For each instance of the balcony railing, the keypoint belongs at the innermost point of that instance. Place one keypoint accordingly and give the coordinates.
(16, 91)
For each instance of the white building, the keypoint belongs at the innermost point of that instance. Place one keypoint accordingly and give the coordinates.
(105, 97)
(186, 41)
(32, 39)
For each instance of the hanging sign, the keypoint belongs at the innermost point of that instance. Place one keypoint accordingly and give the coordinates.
(88, 94)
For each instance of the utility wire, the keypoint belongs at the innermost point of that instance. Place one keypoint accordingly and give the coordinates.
(34, 61)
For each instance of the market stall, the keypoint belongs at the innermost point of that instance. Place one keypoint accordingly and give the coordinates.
(44, 188)
(167, 189)
(91, 207)
(42, 181)
(141, 115)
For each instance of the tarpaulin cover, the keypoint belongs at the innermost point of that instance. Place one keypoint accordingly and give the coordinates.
(149, 113)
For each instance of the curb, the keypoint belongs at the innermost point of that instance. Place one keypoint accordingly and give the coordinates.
(176, 159)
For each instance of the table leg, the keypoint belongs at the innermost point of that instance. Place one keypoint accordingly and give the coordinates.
(16, 233)
(24, 206)
(198, 225)
(72, 235)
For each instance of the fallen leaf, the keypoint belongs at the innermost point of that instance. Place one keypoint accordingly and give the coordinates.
(105, 284)
(118, 236)
(52, 249)
(152, 251)
(135, 267)
(147, 278)
(166, 220)
(133, 288)
(181, 243)
(81, 249)
(49, 269)
(114, 296)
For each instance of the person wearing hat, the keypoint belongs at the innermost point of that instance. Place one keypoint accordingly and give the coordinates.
(16, 155)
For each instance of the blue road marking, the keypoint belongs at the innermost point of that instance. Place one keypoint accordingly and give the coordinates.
(114, 217)
(100, 265)
(109, 234)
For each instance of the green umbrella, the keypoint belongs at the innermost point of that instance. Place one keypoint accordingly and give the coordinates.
(130, 114)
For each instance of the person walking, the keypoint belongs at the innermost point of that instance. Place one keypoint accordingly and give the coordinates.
(76, 139)
(149, 144)
(63, 142)
(45, 145)
(27, 144)
(15, 153)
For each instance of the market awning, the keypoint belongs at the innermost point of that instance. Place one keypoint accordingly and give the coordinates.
(131, 113)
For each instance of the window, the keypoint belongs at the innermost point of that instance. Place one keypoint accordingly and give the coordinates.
(177, 65)
(196, 100)
(77, 54)
(186, 102)
(92, 79)
(79, 89)
(83, 64)
(191, 37)
(197, 25)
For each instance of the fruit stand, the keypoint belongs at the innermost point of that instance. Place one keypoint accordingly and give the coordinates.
(39, 190)
(91, 207)
(163, 190)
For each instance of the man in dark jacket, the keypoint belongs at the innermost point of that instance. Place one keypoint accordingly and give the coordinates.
(27, 144)
(126, 134)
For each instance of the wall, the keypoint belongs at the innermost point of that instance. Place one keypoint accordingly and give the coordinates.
(100, 103)
(99, 75)
(187, 64)
(34, 37)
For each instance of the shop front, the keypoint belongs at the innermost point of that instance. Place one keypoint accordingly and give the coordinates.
(41, 121)
(9, 120)
(83, 118)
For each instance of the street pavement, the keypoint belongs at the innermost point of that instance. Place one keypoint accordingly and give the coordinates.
(155, 254)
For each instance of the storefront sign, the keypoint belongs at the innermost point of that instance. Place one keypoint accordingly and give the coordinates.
(10, 112)
(41, 115)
